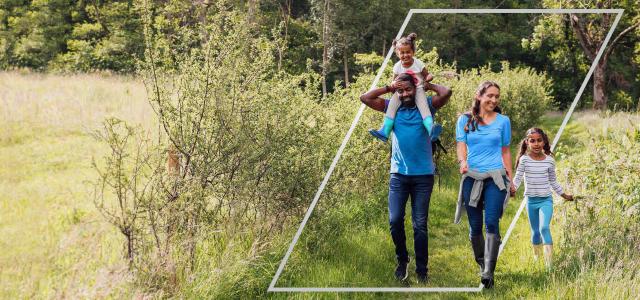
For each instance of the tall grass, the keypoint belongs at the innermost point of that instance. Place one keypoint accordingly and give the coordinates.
(601, 231)
(54, 243)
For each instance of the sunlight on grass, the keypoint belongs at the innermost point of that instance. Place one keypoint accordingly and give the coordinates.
(60, 245)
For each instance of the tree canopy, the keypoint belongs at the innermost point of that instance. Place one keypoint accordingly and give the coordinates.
(329, 35)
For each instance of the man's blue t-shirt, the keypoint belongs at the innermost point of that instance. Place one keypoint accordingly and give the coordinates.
(484, 145)
(410, 143)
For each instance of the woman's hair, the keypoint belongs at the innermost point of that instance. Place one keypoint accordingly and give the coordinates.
(474, 114)
(406, 40)
(524, 144)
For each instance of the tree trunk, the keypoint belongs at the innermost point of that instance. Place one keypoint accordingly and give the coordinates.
(325, 46)
(599, 84)
(286, 14)
(251, 11)
(346, 66)
(384, 47)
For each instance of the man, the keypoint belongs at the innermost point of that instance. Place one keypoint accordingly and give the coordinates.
(412, 168)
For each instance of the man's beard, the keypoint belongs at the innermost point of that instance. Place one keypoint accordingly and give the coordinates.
(407, 99)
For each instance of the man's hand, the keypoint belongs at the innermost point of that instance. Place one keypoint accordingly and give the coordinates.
(567, 197)
(512, 191)
(442, 94)
(373, 100)
(399, 84)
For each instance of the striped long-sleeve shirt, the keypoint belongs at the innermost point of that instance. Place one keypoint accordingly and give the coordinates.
(539, 176)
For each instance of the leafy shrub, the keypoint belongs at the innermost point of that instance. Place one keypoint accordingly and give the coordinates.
(251, 144)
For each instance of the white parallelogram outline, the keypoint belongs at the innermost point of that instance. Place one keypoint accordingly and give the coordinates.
(273, 288)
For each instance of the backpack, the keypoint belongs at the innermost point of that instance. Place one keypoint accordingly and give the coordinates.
(436, 144)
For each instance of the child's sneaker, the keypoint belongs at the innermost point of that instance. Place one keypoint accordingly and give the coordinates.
(384, 132)
(379, 134)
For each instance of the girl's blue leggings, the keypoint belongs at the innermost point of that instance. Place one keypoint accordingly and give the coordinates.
(540, 211)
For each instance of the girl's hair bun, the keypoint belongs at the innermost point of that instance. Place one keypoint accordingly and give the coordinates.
(406, 40)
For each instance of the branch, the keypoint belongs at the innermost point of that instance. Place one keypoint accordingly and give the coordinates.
(617, 39)
(583, 37)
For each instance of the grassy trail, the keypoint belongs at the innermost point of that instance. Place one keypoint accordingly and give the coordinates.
(361, 254)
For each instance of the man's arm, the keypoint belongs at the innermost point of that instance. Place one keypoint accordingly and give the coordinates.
(425, 74)
(372, 98)
(442, 96)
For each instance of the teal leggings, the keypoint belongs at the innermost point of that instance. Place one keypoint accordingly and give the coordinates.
(540, 211)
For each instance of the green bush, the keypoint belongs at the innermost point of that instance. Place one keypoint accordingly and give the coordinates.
(252, 145)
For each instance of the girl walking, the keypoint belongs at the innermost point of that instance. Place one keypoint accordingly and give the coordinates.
(536, 165)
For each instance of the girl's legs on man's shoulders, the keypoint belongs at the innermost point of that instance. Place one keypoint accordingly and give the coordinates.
(423, 107)
(389, 117)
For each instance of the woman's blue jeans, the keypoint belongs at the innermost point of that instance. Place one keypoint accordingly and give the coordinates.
(491, 200)
(419, 187)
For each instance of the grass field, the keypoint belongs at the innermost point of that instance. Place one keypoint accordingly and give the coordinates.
(56, 245)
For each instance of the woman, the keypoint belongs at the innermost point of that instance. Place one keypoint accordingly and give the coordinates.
(483, 136)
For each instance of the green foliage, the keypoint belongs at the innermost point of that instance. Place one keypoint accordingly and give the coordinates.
(251, 144)
(107, 35)
(108, 38)
(555, 40)
(63, 36)
(601, 229)
(369, 61)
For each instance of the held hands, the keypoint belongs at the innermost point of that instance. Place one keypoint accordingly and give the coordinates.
(463, 167)
(567, 197)
(512, 191)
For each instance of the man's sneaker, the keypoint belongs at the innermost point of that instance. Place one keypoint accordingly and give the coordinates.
(422, 278)
(402, 270)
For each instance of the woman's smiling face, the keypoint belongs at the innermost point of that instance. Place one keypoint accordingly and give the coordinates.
(490, 99)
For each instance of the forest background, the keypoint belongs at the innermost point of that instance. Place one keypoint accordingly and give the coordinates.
(82, 36)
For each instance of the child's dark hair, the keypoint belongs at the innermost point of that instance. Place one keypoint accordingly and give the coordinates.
(474, 114)
(407, 40)
(523, 144)
(408, 77)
